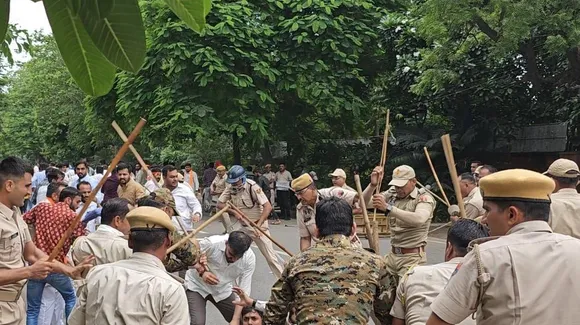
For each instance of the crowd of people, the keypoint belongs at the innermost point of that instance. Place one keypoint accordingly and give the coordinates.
(515, 240)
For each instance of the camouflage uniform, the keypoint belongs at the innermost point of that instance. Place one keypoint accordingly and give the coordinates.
(330, 283)
(187, 254)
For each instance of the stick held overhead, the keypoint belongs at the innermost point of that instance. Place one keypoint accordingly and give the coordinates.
(435, 175)
(96, 190)
(448, 149)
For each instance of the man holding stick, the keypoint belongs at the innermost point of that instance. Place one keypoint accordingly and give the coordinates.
(16, 245)
(250, 199)
(472, 199)
(137, 290)
(305, 190)
(410, 213)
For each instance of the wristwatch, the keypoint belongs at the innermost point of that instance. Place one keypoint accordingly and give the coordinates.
(389, 208)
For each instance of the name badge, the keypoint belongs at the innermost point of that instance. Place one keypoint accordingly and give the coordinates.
(14, 236)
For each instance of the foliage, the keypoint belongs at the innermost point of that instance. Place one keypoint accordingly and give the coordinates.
(97, 36)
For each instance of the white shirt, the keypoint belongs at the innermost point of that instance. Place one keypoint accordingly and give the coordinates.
(283, 181)
(150, 186)
(91, 225)
(41, 194)
(240, 272)
(187, 205)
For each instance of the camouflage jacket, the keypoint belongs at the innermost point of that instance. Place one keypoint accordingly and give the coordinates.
(330, 283)
(183, 257)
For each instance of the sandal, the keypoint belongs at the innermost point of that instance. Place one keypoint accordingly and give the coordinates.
(276, 222)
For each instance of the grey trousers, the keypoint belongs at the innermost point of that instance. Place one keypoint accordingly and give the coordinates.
(197, 305)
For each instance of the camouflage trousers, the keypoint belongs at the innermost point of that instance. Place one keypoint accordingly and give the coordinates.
(397, 266)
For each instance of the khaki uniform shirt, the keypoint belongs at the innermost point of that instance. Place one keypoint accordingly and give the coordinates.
(250, 200)
(107, 245)
(305, 213)
(411, 233)
(132, 191)
(565, 212)
(532, 279)
(419, 287)
(474, 204)
(132, 291)
(219, 184)
(13, 237)
(331, 283)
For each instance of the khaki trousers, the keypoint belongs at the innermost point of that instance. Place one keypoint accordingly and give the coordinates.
(264, 245)
(13, 313)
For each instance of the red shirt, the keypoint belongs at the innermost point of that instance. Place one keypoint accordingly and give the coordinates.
(51, 222)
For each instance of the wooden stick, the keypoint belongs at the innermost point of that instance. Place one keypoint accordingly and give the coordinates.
(435, 175)
(440, 227)
(374, 245)
(96, 190)
(236, 209)
(434, 195)
(135, 153)
(383, 161)
(198, 229)
(454, 178)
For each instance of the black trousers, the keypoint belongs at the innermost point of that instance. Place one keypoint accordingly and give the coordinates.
(284, 201)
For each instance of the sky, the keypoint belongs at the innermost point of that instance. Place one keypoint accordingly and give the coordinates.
(29, 15)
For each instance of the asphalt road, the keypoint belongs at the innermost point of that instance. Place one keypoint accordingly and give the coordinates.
(287, 235)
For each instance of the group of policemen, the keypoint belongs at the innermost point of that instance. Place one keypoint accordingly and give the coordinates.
(512, 259)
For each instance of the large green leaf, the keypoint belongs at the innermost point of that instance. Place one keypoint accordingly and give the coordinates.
(120, 36)
(192, 12)
(88, 67)
(4, 14)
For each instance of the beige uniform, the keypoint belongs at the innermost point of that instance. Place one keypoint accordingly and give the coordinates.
(107, 245)
(419, 287)
(305, 213)
(474, 204)
(532, 278)
(132, 291)
(251, 201)
(132, 191)
(565, 212)
(13, 237)
(218, 185)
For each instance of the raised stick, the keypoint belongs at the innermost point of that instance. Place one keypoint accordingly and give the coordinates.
(434, 195)
(135, 153)
(435, 175)
(198, 229)
(235, 208)
(372, 243)
(96, 190)
(454, 178)
(383, 161)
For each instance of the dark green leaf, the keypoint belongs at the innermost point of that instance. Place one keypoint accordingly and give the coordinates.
(120, 36)
(4, 15)
(192, 12)
(89, 68)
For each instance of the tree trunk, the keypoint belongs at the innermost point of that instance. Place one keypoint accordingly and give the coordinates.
(236, 148)
(266, 152)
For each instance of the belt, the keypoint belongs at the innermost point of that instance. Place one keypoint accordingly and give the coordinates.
(10, 296)
(400, 250)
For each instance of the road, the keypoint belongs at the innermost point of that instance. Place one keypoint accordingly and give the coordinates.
(287, 235)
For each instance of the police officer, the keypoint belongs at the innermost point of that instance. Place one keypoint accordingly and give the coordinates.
(16, 246)
(332, 282)
(410, 213)
(305, 190)
(472, 199)
(137, 290)
(526, 276)
(249, 197)
(565, 207)
(421, 285)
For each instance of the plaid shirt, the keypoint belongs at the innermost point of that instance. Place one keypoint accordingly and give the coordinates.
(51, 222)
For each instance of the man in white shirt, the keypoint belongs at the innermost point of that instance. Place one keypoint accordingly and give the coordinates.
(188, 207)
(150, 184)
(283, 195)
(85, 188)
(229, 262)
(82, 174)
